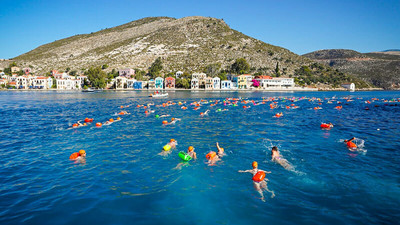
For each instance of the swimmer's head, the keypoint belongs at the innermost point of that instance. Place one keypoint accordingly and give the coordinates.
(254, 164)
(274, 148)
(172, 119)
(190, 148)
(172, 140)
(221, 149)
(82, 152)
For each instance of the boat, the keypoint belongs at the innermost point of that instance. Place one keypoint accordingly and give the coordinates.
(159, 95)
(88, 90)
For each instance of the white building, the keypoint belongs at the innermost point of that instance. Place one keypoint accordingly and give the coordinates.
(194, 83)
(349, 86)
(216, 83)
(68, 83)
(120, 82)
(226, 85)
(274, 82)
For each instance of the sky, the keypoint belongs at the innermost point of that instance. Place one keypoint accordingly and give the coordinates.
(302, 26)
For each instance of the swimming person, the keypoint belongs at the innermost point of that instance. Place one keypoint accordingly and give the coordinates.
(259, 180)
(212, 158)
(174, 120)
(168, 147)
(350, 144)
(221, 151)
(279, 159)
(191, 153)
(78, 156)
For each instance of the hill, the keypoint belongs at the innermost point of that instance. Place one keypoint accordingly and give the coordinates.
(187, 44)
(380, 68)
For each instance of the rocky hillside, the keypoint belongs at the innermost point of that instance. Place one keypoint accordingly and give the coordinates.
(380, 68)
(187, 44)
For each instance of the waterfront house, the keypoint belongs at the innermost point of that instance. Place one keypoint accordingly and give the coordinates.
(128, 73)
(349, 86)
(275, 82)
(40, 83)
(209, 83)
(152, 84)
(226, 84)
(120, 82)
(24, 82)
(178, 74)
(169, 83)
(83, 78)
(138, 85)
(244, 81)
(68, 83)
(15, 69)
(130, 83)
(201, 78)
(216, 83)
(159, 83)
(194, 83)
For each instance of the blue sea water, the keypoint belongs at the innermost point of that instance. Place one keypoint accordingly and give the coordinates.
(125, 181)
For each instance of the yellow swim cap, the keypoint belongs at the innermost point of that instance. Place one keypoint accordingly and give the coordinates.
(254, 164)
(81, 152)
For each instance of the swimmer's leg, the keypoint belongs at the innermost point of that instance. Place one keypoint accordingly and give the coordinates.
(265, 187)
(258, 188)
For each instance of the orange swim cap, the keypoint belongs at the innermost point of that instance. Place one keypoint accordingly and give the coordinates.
(81, 152)
(172, 140)
(172, 119)
(119, 118)
(254, 164)
(111, 120)
(190, 148)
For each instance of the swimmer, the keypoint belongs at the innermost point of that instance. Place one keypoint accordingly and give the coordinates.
(350, 144)
(168, 147)
(259, 185)
(221, 151)
(78, 156)
(165, 115)
(212, 158)
(191, 153)
(174, 120)
(279, 159)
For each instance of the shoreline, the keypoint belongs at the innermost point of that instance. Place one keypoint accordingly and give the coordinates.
(220, 90)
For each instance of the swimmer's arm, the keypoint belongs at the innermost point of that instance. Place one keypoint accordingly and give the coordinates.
(352, 139)
(245, 171)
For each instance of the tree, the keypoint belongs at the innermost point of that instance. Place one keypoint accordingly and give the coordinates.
(240, 66)
(67, 70)
(73, 73)
(155, 68)
(105, 66)
(139, 74)
(277, 73)
(97, 77)
(212, 69)
(12, 64)
(54, 83)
